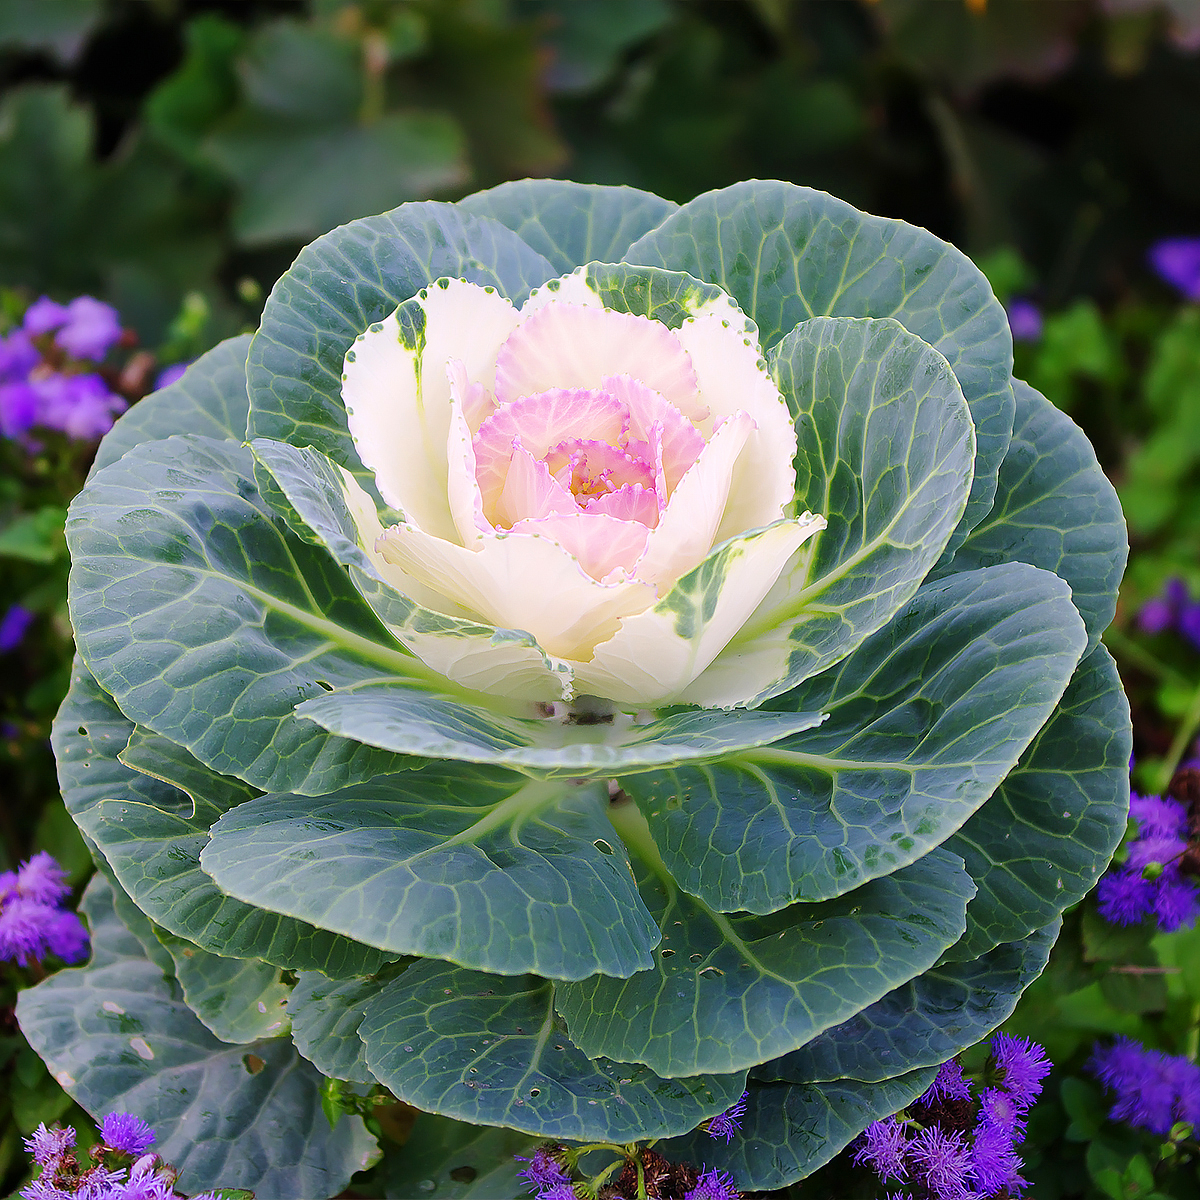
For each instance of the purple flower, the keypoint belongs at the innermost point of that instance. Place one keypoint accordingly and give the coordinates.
(1174, 609)
(23, 931)
(1177, 262)
(170, 375)
(81, 406)
(943, 1163)
(883, 1146)
(44, 1189)
(66, 937)
(558, 1191)
(948, 1084)
(1159, 817)
(1025, 320)
(18, 409)
(729, 1122)
(1125, 897)
(714, 1185)
(1176, 903)
(43, 315)
(13, 627)
(18, 356)
(544, 1171)
(998, 1110)
(43, 880)
(49, 1145)
(90, 329)
(1022, 1065)
(127, 1133)
(1154, 1090)
(995, 1163)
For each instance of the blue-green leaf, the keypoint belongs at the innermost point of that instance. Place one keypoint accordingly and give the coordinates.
(926, 718)
(729, 991)
(885, 453)
(208, 622)
(789, 1130)
(344, 282)
(570, 224)
(453, 1160)
(1056, 509)
(490, 1050)
(210, 399)
(472, 864)
(1041, 842)
(923, 1022)
(790, 253)
(115, 1038)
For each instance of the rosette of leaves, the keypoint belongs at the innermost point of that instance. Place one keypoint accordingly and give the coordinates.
(322, 861)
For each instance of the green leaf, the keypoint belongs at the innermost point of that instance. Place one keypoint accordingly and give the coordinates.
(570, 224)
(209, 400)
(789, 1131)
(476, 865)
(152, 838)
(296, 181)
(461, 1161)
(236, 999)
(115, 1038)
(489, 1049)
(325, 1015)
(35, 537)
(60, 26)
(344, 282)
(208, 622)
(923, 1022)
(789, 253)
(727, 992)
(1047, 835)
(1054, 509)
(926, 718)
(885, 454)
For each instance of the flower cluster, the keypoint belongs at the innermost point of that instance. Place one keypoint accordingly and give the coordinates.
(1024, 319)
(119, 1167)
(1156, 876)
(947, 1146)
(33, 922)
(1174, 610)
(48, 375)
(1154, 1090)
(1177, 261)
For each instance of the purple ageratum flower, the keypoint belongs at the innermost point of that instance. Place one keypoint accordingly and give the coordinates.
(1176, 903)
(29, 931)
(998, 1110)
(1125, 897)
(942, 1161)
(1022, 1065)
(559, 1191)
(1177, 262)
(81, 406)
(1154, 1090)
(714, 1185)
(544, 1171)
(18, 356)
(42, 879)
(127, 1134)
(44, 1189)
(66, 936)
(1174, 609)
(729, 1122)
(170, 375)
(996, 1164)
(13, 627)
(1025, 320)
(1159, 816)
(948, 1084)
(49, 1145)
(18, 409)
(90, 329)
(43, 316)
(883, 1147)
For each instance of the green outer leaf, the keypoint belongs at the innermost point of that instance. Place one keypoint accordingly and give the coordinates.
(789, 253)
(326, 1014)
(885, 454)
(926, 718)
(396, 718)
(132, 917)
(789, 1131)
(208, 622)
(1047, 835)
(115, 1038)
(727, 992)
(209, 400)
(345, 281)
(670, 297)
(1055, 509)
(922, 1023)
(235, 999)
(570, 224)
(472, 864)
(156, 845)
(489, 1050)
(438, 1147)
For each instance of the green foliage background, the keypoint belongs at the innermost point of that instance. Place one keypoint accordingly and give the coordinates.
(172, 156)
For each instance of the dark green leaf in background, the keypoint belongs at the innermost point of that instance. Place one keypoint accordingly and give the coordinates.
(472, 864)
(490, 1050)
(926, 718)
(461, 1161)
(229, 1116)
(570, 224)
(60, 26)
(789, 253)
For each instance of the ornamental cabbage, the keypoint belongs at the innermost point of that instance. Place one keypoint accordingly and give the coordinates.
(582, 660)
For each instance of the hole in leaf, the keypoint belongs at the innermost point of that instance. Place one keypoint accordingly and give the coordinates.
(253, 1063)
(82, 731)
(711, 971)
(535, 1091)
(463, 1174)
(323, 683)
(697, 957)
(602, 846)
(666, 953)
